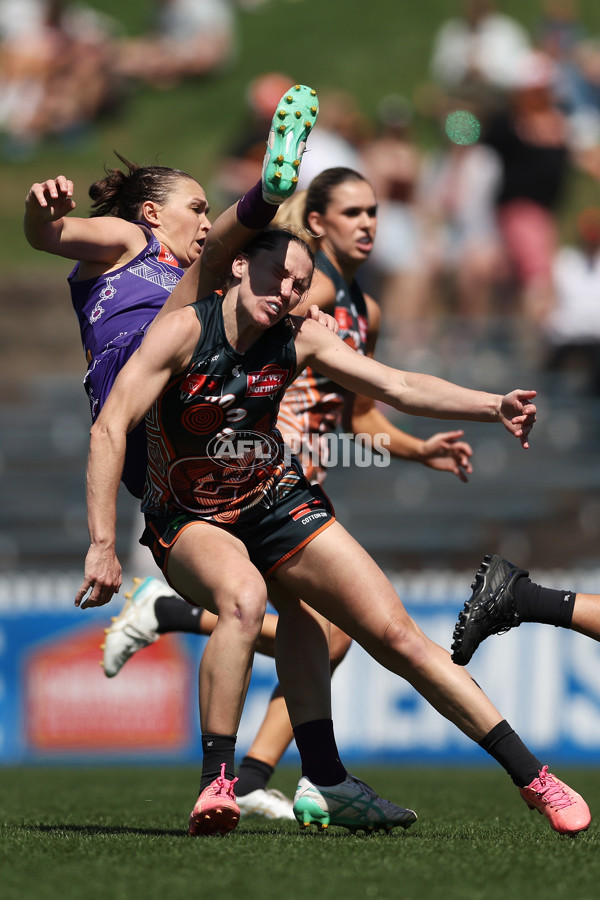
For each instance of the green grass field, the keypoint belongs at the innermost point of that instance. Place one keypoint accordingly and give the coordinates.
(120, 833)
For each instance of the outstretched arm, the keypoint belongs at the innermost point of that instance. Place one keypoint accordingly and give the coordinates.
(48, 226)
(444, 451)
(164, 351)
(420, 395)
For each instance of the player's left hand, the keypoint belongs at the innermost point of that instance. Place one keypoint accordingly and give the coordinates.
(447, 453)
(518, 414)
(323, 318)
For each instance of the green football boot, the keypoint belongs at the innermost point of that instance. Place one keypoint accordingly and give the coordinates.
(294, 119)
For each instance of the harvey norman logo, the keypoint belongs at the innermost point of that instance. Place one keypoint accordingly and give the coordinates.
(268, 381)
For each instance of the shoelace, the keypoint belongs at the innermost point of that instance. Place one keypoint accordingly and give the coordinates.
(368, 790)
(552, 791)
(376, 804)
(507, 622)
(223, 784)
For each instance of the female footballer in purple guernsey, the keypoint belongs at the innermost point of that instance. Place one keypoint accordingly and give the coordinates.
(147, 226)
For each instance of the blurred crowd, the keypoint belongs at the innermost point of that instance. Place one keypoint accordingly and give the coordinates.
(474, 224)
(63, 64)
(471, 221)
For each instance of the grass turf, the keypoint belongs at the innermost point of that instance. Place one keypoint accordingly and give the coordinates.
(120, 833)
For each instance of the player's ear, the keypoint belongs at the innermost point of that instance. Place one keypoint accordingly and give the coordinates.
(315, 223)
(239, 265)
(150, 212)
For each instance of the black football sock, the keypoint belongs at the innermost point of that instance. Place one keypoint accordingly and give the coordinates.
(318, 752)
(507, 748)
(174, 614)
(217, 749)
(253, 775)
(535, 603)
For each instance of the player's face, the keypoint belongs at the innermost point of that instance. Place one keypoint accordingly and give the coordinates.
(350, 222)
(184, 221)
(273, 282)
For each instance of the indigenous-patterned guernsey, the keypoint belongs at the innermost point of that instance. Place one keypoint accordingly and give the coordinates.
(114, 312)
(115, 308)
(313, 404)
(213, 449)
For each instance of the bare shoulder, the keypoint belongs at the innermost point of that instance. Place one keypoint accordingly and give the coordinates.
(101, 243)
(312, 339)
(174, 335)
(305, 328)
(178, 321)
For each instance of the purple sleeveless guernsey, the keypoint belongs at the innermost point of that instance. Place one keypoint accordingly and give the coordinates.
(114, 312)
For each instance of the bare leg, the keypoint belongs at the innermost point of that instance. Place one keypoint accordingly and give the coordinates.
(357, 596)
(227, 237)
(266, 639)
(275, 734)
(302, 647)
(538, 300)
(223, 578)
(158, 611)
(586, 615)
(407, 307)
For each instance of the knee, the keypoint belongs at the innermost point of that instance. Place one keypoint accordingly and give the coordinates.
(406, 640)
(243, 603)
(339, 644)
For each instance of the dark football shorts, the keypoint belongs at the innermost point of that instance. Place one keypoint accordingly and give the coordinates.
(271, 534)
